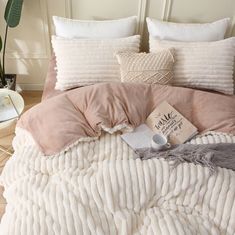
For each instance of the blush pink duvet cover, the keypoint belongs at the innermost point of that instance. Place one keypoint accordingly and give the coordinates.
(60, 121)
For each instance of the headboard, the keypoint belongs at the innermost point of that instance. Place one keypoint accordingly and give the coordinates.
(29, 47)
(199, 11)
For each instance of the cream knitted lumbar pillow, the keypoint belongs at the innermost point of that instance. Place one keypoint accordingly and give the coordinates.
(83, 62)
(152, 68)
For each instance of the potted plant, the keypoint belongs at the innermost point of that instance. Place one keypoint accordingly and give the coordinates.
(12, 17)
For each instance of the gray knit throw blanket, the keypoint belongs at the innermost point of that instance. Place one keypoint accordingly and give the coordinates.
(209, 155)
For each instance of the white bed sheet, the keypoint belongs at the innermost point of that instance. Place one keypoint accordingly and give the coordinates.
(97, 188)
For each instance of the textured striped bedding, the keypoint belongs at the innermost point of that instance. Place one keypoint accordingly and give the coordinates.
(97, 187)
(202, 65)
(83, 61)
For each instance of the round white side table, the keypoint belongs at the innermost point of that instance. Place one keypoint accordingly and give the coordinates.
(18, 102)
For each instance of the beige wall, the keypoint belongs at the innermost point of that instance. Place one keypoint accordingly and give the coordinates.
(29, 49)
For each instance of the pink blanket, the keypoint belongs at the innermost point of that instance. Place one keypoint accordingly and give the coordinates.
(62, 120)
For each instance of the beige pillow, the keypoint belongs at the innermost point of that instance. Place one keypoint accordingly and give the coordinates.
(152, 68)
(83, 62)
(202, 65)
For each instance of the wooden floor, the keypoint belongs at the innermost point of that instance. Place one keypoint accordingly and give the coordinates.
(31, 98)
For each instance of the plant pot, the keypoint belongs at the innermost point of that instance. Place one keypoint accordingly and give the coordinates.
(11, 81)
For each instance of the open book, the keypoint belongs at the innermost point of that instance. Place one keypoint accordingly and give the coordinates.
(140, 138)
(8, 110)
(168, 121)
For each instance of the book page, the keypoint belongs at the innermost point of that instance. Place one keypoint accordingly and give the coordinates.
(7, 109)
(140, 138)
(168, 121)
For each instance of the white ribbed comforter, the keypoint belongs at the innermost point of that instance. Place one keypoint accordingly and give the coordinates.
(97, 188)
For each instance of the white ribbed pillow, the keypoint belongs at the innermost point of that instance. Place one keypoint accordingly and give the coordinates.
(87, 61)
(73, 28)
(203, 65)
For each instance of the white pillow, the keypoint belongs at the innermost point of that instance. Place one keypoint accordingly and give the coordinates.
(205, 65)
(187, 32)
(87, 61)
(70, 28)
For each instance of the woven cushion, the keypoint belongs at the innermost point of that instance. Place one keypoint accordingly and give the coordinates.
(152, 68)
(88, 61)
(203, 65)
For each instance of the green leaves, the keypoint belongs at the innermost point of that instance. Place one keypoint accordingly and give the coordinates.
(13, 12)
(12, 17)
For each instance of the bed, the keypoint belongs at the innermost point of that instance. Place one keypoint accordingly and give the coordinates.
(71, 173)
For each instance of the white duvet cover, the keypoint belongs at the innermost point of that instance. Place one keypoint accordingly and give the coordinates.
(98, 188)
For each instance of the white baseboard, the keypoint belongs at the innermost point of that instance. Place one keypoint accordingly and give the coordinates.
(31, 87)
